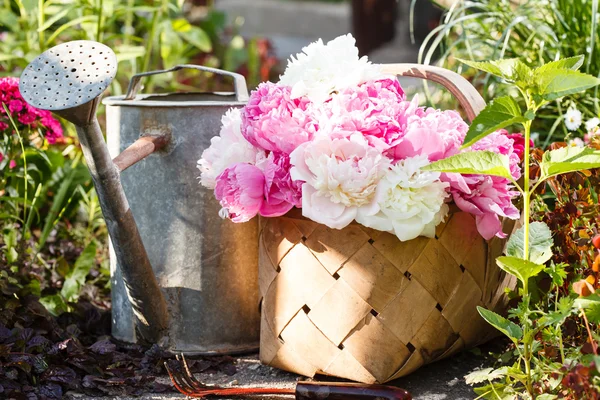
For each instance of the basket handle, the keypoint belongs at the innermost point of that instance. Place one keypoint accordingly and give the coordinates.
(468, 97)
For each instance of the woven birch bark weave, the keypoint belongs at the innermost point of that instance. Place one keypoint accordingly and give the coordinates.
(359, 304)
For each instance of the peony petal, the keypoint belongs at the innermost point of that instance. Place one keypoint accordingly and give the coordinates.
(489, 225)
(322, 210)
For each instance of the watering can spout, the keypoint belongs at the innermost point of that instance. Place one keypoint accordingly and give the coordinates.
(68, 80)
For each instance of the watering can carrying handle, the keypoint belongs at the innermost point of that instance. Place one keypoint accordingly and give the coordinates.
(239, 82)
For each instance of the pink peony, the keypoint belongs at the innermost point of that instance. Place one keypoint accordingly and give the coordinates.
(275, 122)
(375, 109)
(488, 197)
(281, 192)
(240, 189)
(435, 133)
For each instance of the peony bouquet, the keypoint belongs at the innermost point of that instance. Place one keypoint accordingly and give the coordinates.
(337, 138)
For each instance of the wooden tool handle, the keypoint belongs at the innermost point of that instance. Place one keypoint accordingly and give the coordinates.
(348, 391)
(466, 94)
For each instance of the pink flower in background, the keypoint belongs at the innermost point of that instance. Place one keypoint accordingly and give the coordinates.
(275, 122)
(240, 189)
(488, 197)
(518, 142)
(438, 134)
(25, 114)
(1, 157)
(12, 164)
(281, 192)
(374, 109)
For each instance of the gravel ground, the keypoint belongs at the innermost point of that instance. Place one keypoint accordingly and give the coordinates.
(439, 381)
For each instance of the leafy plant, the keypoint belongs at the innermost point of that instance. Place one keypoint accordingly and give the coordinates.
(537, 32)
(531, 246)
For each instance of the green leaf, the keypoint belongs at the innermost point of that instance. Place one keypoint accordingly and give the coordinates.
(197, 38)
(557, 273)
(540, 243)
(500, 113)
(484, 375)
(569, 159)
(553, 318)
(586, 302)
(518, 267)
(510, 329)
(76, 278)
(572, 63)
(473, 162)
(561, 82)
(511, 69)
(593, 313)
(55, 304)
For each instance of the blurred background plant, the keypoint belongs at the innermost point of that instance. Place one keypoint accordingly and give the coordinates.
(535, 31)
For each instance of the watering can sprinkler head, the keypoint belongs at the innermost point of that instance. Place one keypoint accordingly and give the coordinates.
(68, 80)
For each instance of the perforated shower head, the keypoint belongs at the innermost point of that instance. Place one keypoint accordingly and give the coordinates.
(69, 78)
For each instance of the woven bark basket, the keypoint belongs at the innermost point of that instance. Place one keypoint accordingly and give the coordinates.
(360, 304)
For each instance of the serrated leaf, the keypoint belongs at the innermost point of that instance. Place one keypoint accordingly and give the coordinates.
(557, 273)
(561, 82)
(474, 162)
(569, 159)
(485, 375)
(553, 318)
(540, 243)
(518, 267)
(500, 113)
(510, 329)
(511, 69)
(572, 63)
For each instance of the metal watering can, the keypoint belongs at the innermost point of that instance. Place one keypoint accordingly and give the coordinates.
(184, 278)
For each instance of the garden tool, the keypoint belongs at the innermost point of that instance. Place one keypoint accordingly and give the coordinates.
(185, 382)
(68, 80)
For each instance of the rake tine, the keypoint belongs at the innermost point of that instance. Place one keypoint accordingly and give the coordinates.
(180, 385)
(190, 377)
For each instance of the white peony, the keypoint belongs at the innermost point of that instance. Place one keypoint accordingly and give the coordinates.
(322, 69)
(410, 202)
(573, 119)
(340, 175)
(592, 123)
(229, 148)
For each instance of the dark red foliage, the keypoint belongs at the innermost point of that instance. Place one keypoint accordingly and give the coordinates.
(42, 357)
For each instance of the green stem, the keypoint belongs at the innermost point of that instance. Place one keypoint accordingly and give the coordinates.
(100, 20)
(41, 33)
(151, 39)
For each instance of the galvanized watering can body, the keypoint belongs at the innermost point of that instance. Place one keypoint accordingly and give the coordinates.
(206, 267)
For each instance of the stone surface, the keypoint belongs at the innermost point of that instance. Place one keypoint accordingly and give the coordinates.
(438, 381)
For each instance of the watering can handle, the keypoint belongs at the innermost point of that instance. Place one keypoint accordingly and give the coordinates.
(239, 82)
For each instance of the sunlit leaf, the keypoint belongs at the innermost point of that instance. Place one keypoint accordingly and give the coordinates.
(498, 114)
(573, 63)
(540, 243)
(561, 82)
(474, 162)
(518, 267)
(510, 329)
(569, 159)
